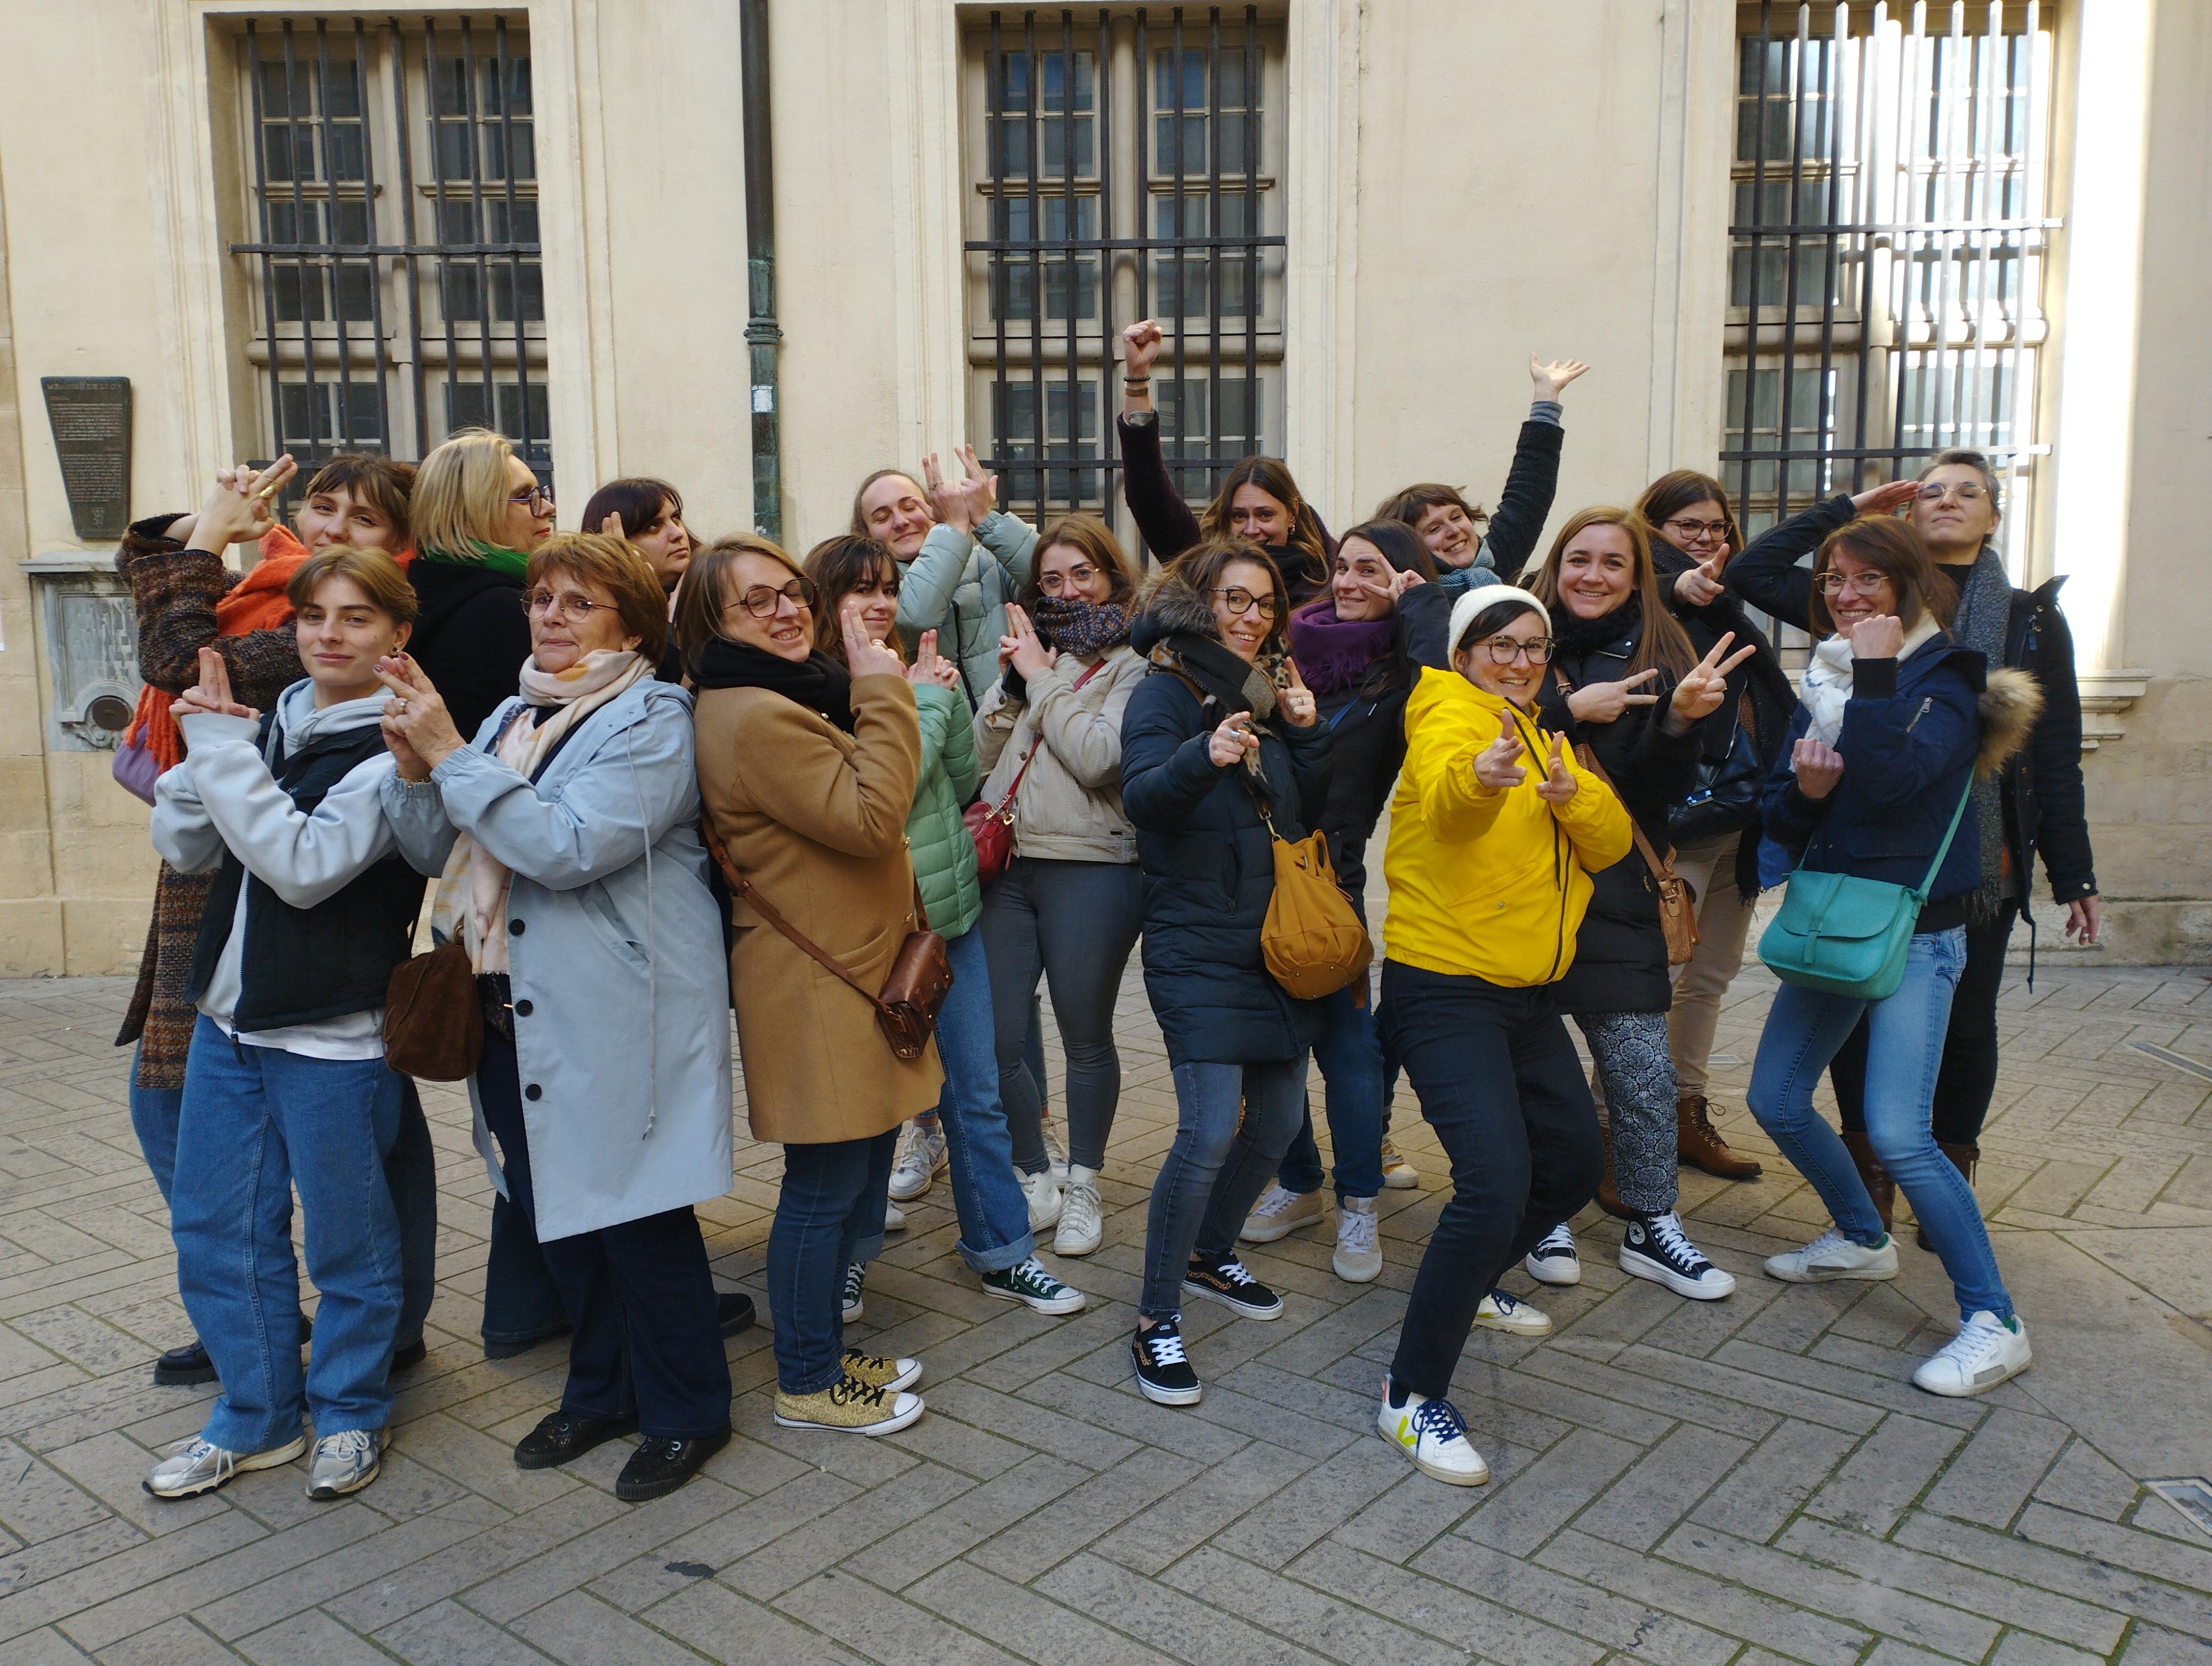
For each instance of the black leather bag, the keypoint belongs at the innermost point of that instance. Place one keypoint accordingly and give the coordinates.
(1725, 796)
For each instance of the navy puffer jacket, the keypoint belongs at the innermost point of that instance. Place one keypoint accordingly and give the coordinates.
(1209, 873)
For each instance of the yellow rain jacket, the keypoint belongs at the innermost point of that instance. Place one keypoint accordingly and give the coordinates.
(1489, 883)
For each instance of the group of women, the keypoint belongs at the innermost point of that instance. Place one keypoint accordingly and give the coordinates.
(646, 782)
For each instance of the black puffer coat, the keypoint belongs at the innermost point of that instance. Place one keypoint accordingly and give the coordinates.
(1620, 953)
(472, 637)
(1209, 870)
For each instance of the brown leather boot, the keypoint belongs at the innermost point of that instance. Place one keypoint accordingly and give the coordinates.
(1965, 1156)
(1698, 1143)
(1608, 1196)
(1880, 1187)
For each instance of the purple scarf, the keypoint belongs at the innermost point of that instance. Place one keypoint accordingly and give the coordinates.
(1334, 653)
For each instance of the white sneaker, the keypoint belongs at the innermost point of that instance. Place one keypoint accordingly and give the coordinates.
(202, 1467)
(1554, 1261)
(345, 1462)
(1500, 1312)
(920, 1155)
(1055, 1153)
(894, 1217)
(1358, 1257)
(1045, 1199)
(1985, 1352)
(1080, 1228)
(1655, 1247)
(1398, 1173)
(1833, 1256)
(1430, 1432)
(1278, 1214)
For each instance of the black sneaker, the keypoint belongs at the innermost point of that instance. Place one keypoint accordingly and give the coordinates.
(558, 1437)
(1227, 1282)
(1654, 1247)
(1163, 1374)
(661, 1465)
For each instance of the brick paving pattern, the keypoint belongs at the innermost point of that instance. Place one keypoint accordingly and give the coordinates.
(1745, 1483)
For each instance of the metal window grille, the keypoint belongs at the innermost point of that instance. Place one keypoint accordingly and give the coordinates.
(391, 307)
(1121, 169)
(1889, 236)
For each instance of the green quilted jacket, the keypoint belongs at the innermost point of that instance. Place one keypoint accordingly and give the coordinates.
(943, 854)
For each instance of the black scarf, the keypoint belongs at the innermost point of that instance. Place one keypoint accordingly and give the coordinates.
(1072, 625)
(818, 681)
(1576, 636)
(1982, 621)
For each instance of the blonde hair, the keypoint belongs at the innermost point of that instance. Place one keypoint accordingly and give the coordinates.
(461, 492)
(373, 570)
(619, 569)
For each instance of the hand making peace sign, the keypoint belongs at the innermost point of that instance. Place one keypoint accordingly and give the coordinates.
(1704, 685)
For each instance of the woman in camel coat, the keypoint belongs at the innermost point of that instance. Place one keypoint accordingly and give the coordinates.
(807, 772)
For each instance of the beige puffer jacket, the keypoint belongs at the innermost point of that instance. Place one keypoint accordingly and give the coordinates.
(1069, 808)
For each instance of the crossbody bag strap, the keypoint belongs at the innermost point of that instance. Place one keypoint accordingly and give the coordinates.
(1660, 868)
(760, 905)
(1944, 848)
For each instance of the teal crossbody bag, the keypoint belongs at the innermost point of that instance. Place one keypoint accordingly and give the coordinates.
(1848, 936)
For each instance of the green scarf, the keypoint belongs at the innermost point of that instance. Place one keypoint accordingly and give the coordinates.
(512, 563)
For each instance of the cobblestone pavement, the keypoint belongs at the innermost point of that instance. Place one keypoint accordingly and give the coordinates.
(1738, 1484)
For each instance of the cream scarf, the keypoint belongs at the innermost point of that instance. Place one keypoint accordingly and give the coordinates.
(471, 904)
(1827, 686)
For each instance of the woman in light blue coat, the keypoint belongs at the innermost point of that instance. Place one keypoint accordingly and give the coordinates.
(579, 885)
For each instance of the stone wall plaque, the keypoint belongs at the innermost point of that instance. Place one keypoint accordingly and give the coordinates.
(90, 631)
(90, 417)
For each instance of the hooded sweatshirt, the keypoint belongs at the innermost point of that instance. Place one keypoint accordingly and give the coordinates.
(1489, 883)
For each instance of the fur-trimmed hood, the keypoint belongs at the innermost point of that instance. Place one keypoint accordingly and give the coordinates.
(2009, 703)
(1177, 632)
(1171, 608)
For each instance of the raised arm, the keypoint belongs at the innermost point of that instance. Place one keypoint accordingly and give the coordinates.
(304, 856)
(1518, 521)
(1163, 518)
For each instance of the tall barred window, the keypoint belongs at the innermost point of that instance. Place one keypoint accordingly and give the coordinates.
(1123, 163)
(390, 259)
(1890, 233)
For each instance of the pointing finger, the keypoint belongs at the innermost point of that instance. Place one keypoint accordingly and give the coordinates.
(1736, 659)
(1640, 676)
(1719, 649)
(1639, 699)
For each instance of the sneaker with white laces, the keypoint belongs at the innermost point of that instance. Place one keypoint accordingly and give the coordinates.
(922, 1153)
(1358, 1257)
(1046, 1200)
(1398, 1173)
(894, 1217)
(1986, 1351)
(201, 1466)
(855, 1276)
(1229, 1282)
(1554, 1261)
(1080, 1225)
(1164, 1376)
(1033, 1288)
(1655, 1247)
(1500, 1312)
(345, 1462)
(1055, 1153)
(1833, 1256)
(1278, 1214)
(1432, 1433)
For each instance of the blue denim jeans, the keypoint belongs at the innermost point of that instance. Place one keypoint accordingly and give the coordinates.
(256, 1123)
(1217, 1167)
(1905, 1053)
(410, 1170)
(831, 1203)
(995, 1215)
(1350, 1054)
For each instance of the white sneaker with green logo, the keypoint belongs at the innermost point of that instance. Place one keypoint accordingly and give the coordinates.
(1986, 1351)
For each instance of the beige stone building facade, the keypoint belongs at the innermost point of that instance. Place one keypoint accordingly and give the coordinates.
(1801, 245)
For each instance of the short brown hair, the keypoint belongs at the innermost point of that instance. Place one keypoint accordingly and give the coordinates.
(1892, 548)
(601, 558)
(1965, 458)
(838, 566)
(384, 483)
(1096, 540)
(704, 597)
(373, 570)
(1408, 506)
(1679, 490)
(1200, 567)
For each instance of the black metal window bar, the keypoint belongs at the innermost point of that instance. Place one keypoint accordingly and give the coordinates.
(1080, 222)
(393, 309)
(1889, 241)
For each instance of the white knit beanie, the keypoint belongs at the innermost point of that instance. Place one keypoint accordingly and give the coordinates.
(1481, 601)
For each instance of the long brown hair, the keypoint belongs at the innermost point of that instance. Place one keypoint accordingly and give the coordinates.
(1200, 567)
(1677, 490)
(1271, 476)
(838, 567)
(1664, 645)
(1892, 548)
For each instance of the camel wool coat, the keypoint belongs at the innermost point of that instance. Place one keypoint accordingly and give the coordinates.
(816, 819)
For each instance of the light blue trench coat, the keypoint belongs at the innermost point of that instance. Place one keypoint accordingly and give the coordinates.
(622, 1018)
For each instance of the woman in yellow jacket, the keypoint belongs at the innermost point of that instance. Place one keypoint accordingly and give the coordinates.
(1495, 830)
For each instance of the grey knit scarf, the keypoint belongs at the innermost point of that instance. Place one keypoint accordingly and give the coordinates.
(1984, 615)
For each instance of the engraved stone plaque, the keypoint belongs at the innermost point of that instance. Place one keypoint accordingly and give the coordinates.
(90, 416)
(90, 634)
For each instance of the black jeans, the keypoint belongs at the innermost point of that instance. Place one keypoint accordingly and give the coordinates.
(1969, 1073)
(1500, 1082)
(639, 1293)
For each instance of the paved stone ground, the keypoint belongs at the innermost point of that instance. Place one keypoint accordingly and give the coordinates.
(1742, 1484)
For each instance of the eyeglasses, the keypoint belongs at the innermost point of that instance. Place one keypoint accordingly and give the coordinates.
(1864, 584)
(760, 602)
(1699, 532)
(1073, 579)
(1504, 650)
(1240, 601)
(568, 606)
(537, 500)
(1969, 493)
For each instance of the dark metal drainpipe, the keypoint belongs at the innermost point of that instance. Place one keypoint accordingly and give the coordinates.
(760, 329)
